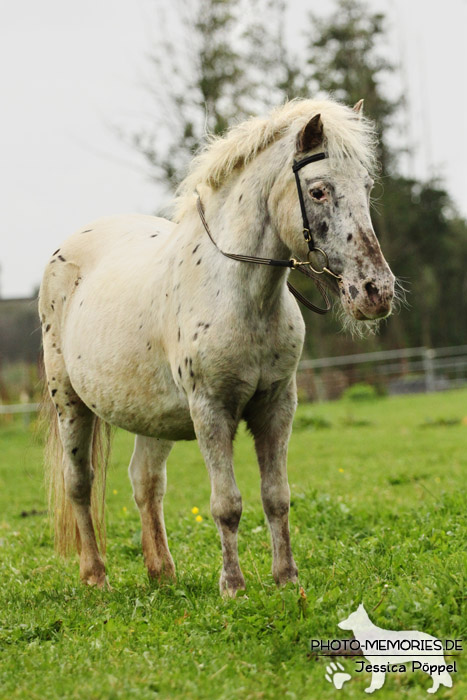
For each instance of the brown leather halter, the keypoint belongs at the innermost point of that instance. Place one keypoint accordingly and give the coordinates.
(292, 263)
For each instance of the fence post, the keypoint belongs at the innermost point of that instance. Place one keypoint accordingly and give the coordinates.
(428, 365)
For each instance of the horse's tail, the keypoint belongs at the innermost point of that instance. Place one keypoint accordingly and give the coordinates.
(63, 522)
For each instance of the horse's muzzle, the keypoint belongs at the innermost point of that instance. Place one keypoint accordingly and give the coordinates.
(372, 299)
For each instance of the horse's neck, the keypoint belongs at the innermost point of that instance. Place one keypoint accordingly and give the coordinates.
(239, 221)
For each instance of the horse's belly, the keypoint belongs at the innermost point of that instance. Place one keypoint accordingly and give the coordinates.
(143, 403)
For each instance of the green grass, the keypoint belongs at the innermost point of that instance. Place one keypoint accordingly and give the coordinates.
(377, 516)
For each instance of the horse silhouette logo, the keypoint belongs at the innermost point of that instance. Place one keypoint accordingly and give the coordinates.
(391, 650)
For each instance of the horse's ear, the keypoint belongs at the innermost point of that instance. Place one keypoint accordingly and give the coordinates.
(310, 136)
(358, 107)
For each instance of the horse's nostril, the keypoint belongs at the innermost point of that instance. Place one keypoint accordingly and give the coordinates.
(372, 291)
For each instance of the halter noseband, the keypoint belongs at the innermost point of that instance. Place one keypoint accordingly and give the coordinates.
(294, 264)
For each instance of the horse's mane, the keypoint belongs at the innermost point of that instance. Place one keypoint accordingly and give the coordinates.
(348, 137)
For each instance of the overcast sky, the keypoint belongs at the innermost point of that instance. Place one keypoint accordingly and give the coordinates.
(71, 71)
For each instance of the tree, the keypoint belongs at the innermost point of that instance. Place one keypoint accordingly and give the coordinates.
(345, 60)
(226, 65)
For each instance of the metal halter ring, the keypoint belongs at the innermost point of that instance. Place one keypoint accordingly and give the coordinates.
(325, 266)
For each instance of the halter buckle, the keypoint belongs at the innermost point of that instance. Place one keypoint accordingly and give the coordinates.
(298, 263)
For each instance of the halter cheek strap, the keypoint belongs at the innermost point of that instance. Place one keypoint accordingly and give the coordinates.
(298, 165)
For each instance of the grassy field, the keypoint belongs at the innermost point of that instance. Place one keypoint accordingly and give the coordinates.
(378, 515)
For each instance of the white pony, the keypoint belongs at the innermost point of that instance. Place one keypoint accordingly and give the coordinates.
(149, 327)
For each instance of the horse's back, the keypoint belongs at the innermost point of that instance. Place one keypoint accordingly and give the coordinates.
(100, 255)
(113, 235)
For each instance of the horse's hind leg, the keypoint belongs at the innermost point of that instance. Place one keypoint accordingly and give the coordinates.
(270, 421)
(76, 426)
(148, 477)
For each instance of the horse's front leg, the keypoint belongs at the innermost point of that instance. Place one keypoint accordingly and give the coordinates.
(215, 431)
(270, 421)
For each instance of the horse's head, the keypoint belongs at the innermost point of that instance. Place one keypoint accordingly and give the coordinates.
(337, 205)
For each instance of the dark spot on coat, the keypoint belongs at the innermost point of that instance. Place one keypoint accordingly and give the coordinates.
(194, 386)
(179, 371)
(353, 291)
(323, 228)
(192, 374)
(218, 291)
(148, 345)
(88, 230)
(60, 257)
(195, 336)
(186, 361)
(93, 405)
(153, 235)
(349, 237)
(240, 198)
(276, 355)
(198, 261)
(195, 249)
(181, 262)
(79, 357)
(47, 328)
(74, 450)
(57, 251)
(53, 392)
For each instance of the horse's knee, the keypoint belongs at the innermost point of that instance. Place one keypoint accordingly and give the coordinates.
(276, 502)
(227, 510)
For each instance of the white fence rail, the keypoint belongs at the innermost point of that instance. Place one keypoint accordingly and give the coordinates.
(410, 370)
(9, 408)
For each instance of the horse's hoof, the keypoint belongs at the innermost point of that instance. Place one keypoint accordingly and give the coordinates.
(287, 575)
(164, 574)
(98, 580)
(230, 584)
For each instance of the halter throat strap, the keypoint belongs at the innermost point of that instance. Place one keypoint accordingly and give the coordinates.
(292, 263)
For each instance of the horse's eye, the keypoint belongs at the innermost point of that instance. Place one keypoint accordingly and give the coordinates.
(317, 193)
